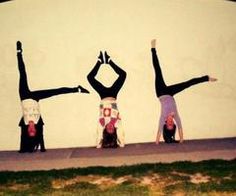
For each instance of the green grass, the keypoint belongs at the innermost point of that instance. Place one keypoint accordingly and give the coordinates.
(144, 179)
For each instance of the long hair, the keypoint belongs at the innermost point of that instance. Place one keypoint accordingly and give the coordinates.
(109, 139)
(169, 134)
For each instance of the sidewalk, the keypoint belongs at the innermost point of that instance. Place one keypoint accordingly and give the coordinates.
(190, 150)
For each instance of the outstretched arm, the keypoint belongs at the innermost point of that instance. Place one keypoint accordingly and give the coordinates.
(181, 137)
(160, 129)
(158, 137)
(179, 126)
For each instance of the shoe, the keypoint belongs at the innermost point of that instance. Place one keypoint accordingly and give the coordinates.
(19, 47)
(82, 90)
(107, 58)
(100, 57)
(43, 150)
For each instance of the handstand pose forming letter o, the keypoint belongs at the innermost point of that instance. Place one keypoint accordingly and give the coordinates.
(109, 132)
(31, 123)
(169, 112)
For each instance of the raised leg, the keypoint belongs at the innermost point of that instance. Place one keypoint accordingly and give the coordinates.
(160, 85)
(176, 88)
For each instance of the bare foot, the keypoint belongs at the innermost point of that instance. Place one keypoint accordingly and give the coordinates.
(212, 79)
(153, 43)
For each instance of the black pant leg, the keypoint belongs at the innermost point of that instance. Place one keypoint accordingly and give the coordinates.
(26, 141)
(176, 88)
(23, 83)
(40, 139)
(160, 85)
(23, 140)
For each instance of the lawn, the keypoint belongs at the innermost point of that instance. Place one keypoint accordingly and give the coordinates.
(213, 177)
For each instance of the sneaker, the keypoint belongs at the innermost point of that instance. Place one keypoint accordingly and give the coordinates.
(19, 47)
(107, 57)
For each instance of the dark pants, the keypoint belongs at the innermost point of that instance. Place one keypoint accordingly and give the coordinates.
(31, 144)
(162, 88)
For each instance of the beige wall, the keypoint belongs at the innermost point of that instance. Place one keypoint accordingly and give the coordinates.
(62, 39)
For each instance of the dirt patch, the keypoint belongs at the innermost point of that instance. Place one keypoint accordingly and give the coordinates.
(178, 193)
(104, 182)
(147, 181)
(199, 178)
(195, 178)
(123, 179)
(107, 181)
(180, 174)
(61, 183)
(215, 193)
(153, 181)
(19, 187)
(150, 180)
(157, 184)
(101, 181)
(227, 178)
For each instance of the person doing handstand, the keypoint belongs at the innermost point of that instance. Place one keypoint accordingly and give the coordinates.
(109, 132)
(169, 112)
(32, 123)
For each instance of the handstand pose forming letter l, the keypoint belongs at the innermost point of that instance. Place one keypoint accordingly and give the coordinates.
(31, 123)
